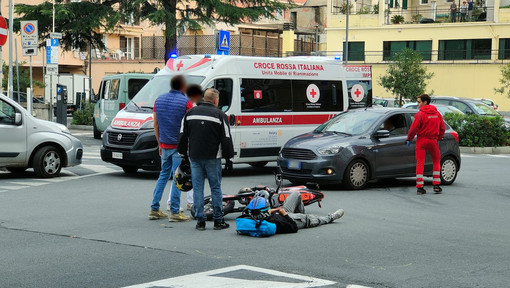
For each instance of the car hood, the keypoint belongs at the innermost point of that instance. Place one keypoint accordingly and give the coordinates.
(313, 141)
(48, 126)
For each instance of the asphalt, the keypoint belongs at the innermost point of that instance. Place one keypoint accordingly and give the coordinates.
(92, 231)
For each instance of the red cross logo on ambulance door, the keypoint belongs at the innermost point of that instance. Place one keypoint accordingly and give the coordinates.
(257, 94)
(179, 65)
(357, 93)
(313, 93)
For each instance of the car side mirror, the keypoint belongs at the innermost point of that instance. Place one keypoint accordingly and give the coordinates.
(383, 133)
(17, 119)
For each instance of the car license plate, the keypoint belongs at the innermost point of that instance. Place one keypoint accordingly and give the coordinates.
(116, 155)
(294, 165)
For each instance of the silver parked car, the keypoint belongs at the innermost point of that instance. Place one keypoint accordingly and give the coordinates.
(29, 142)
(360, 145)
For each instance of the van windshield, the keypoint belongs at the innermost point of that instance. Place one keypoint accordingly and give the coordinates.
(145, 98)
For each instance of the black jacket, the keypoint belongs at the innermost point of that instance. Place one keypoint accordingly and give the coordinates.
(205, 133)
(284, 224)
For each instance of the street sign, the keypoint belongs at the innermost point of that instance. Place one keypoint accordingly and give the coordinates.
(29, 34)
(29, 51)
(52, 69)
(52, 51)
(223, 42)
(3, 31)
(55, 35)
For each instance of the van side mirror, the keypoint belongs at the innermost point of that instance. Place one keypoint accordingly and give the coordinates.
(93, 98)
(383, 133)
(17, 119)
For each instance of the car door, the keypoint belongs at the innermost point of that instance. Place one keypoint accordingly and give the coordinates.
(393, 157)
(111, 105)
(13, 146)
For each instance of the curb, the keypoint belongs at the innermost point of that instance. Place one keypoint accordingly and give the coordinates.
(485, 150)
(80, 127)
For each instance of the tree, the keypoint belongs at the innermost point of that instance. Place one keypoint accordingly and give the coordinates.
(82, 23)
(406, 76)
(24, 78)
(504, 81)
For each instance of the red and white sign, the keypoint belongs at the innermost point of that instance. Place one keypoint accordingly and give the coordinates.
(3, 31)
(313, 93)
(257, 94)
(357, 93)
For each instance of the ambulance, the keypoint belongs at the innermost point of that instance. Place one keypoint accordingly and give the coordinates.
(267, 100)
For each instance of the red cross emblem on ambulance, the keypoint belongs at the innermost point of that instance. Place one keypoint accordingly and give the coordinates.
(313, 93)
(357, 93)
(257, 94)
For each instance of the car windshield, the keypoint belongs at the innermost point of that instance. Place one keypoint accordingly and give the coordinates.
(144, 99)
(483, 109)
(448, 109)
(350, 123)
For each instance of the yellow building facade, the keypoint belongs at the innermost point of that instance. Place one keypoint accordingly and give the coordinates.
(465, 57)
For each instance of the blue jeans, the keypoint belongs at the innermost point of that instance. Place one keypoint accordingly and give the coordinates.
(200, 169)
(170, 160)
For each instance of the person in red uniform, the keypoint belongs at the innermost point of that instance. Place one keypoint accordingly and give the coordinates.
(429, 126)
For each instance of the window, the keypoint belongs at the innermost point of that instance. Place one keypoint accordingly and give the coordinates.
(7, 114)
(465, 49)
(356, 51)
(134, 85)
(224, 86)
(266, 95)
(330, 96)
(441, 101)
(105, 90)
(390, 48)
(366, 86)
(114, 91)
(462, 107)
(504, 48)
(396, 124)
(424, 2)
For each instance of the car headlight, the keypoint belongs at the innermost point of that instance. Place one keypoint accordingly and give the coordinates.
(64, 129)
(330, 150)
(148, 125)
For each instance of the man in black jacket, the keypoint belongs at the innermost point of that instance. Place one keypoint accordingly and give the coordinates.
(291, 216)
(205, 138)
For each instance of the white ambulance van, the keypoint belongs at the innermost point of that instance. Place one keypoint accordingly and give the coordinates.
(268, 101)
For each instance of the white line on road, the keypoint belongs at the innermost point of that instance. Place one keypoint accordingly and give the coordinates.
(2, 191)
(356, 286)
(13, 187)
(24, 183)
(220, 278)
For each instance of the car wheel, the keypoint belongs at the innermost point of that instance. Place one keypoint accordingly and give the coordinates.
(16, 170)
(97, 133)
(449, 169)
(47, 162)
(130, 169)
(258, 164)
(356, 175)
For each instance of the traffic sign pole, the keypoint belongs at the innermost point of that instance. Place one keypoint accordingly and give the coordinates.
(11, 26)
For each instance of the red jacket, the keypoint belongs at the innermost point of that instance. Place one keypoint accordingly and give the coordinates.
(428, 123)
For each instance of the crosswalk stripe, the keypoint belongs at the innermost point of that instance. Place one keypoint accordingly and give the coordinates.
(14, 187)
(28, 183)
(99, 168)
(92, 157)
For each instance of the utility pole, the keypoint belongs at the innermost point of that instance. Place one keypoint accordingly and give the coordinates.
(347, 33)
(11, 26)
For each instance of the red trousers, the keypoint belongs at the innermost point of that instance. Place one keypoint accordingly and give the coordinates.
(422, 146)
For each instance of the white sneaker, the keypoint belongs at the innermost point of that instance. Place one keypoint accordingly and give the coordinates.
(167, 207)
(337, 214)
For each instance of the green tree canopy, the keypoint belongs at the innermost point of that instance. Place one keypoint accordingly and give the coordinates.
(82, 23)
(504, 81)
(406, 76)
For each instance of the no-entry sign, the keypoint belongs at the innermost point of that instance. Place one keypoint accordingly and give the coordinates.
(3, 31)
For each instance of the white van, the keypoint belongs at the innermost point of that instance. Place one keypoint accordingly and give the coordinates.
(268, 101)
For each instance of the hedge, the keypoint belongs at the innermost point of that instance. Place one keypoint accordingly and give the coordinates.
(84, 116)
(479, 131)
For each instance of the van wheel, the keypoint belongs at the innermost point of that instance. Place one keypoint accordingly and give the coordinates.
(16, 170)
(97, 133)
(47, 162)
(449, 169)
(130, 169)
(356, 175)
(260, 164)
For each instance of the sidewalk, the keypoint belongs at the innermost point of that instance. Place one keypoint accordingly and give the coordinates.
(485, 150)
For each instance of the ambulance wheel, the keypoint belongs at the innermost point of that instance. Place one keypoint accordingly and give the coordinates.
(97, 133)
(449, 169)
(228, 206)
(130, 169)
(356, 175)
(260, 164)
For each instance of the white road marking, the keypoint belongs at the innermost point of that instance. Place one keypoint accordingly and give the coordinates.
(26, 183)
(91, 157)
(13, 187)
(98, 168)
(2, 191)
(210, 279)
(356, 286)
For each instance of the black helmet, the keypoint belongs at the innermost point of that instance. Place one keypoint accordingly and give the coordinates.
(182, 177)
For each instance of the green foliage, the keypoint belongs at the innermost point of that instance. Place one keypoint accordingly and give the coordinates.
(364, 10)
(375, 10)
(84, 22)
(406, 77)
(24, 77)
(85, 115)
(504, 81)
(397, 19)
(416, 18)
(477, 130)
(343, 8)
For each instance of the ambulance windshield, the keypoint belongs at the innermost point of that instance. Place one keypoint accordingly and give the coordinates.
(144, 99)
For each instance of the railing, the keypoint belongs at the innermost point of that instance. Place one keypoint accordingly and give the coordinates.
(425, 15)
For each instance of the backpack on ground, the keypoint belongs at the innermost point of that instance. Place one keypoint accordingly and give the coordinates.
(253, 220)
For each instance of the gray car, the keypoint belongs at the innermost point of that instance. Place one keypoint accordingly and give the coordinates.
(29, 142)
(356, 146)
